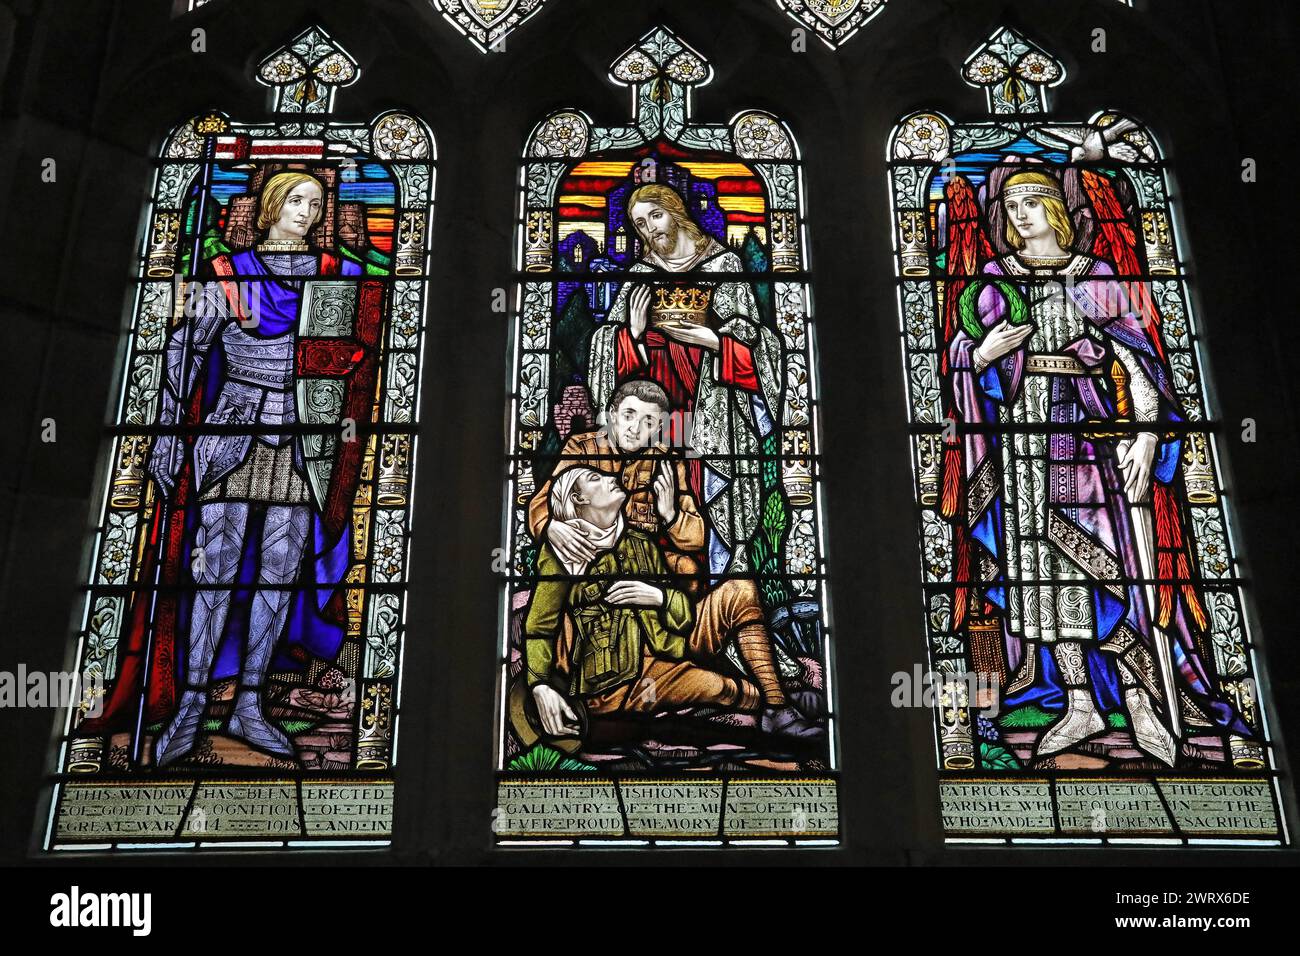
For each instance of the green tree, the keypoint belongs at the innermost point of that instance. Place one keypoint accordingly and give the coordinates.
(754, 257)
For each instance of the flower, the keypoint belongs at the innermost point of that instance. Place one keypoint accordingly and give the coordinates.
(986, 69)
(399, 136)
(116, 554)
(565, 134)
(634, 67)
(924, 135)
(686, 69)
(937, 556)
(1037, 68)
(1215, 557)
(115, 557)
(335, 68)
(761, 136)
(918, 322)
(802, 558)
(390, 548)
(987, 729)
(953, 702)
(284, 68)
(790, 322)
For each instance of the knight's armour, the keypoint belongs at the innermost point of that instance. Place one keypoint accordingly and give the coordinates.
(252, 466)
(265, 362)
(258, 380)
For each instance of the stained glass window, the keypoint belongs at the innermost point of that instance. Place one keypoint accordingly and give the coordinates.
(665, 671)
(243, 626)
(834, 21)
(1094, 668)
(837, 21)
(486, 23)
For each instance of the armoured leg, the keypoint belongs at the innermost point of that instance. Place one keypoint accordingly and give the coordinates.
(283, 538)
(1150, 734)
(219, 542)
(1081, 719)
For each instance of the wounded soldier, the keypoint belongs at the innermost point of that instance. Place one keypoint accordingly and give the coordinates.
(616, 635)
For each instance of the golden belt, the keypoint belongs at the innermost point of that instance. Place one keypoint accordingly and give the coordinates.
(1044, 364)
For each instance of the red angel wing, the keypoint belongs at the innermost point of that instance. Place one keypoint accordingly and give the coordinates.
(968, 249)
(1116, 242)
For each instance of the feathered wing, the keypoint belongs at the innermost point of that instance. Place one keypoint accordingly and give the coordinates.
(968, 249)
(1092, 142)
(1115, 241)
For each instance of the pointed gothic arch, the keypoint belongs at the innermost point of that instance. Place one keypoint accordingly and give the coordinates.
(726, 695)
(241, 650)
(1085, 615)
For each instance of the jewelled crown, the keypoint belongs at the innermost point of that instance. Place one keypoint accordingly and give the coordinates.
(1032, 189)
(682, 305)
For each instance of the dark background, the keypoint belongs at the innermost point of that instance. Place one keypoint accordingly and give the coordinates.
(95, 84)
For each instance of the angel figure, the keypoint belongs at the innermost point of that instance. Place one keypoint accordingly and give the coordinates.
(1064, 486)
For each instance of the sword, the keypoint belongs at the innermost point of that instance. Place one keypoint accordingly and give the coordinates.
(1144, 540)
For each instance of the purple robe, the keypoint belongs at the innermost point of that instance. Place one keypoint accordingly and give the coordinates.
(1053, 544)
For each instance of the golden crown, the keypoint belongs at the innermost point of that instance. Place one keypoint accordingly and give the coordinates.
(211, 125)
(681, 305)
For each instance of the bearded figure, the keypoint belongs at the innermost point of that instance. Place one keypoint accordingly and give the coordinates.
(691, 326)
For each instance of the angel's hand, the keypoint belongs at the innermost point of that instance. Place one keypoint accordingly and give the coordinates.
(1136, 458)
(1001, 340)
(572, 546)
